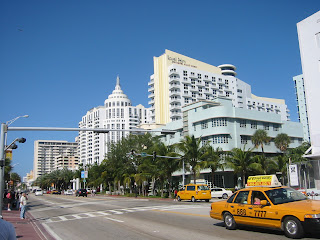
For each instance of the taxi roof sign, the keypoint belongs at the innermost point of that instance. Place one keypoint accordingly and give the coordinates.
(263, 181)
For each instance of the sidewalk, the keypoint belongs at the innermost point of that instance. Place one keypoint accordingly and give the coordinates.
(28, 228)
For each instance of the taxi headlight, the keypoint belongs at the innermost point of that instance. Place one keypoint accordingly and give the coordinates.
(312, 216)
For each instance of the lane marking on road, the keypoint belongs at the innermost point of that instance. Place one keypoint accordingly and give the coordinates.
(115, 220)
(49, 230)
(182, 213)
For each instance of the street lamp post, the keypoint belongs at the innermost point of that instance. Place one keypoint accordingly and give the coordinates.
(3, 148)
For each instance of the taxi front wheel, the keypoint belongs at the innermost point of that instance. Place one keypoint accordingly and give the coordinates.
(292, 227)
(229, 221)
(179, 199)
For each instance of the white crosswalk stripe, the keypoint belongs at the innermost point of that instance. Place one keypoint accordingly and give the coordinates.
(115, 212)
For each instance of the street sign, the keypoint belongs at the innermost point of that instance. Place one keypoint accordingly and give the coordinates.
(143, 154)
(84, 174)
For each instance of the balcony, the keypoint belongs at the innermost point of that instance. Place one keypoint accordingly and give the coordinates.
(173, 71)
(151, 102)
(174, 80)
(174, 86)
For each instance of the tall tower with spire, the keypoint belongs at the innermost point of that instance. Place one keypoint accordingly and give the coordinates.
(116, 113)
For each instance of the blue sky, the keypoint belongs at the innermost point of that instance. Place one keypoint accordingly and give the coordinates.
(58, 59)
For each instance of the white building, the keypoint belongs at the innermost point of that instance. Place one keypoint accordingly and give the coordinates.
(117, 113)
(179, 80)
(309, 42)
(302, 106)
(222, 125)
(46, 153)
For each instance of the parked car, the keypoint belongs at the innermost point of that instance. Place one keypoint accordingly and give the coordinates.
(217, 192)
(68, 192)
(56, 192)
(49, 192)
(39, 192)
(81, 192)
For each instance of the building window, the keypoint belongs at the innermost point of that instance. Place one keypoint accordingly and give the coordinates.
(276, 127)
(219, 122)
(243, 123)
(266, 126)
(220, 139)
(204, 125)
(244, 139)
(253, 124)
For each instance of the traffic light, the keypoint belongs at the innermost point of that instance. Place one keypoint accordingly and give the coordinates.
(154, 155)
(21, 140)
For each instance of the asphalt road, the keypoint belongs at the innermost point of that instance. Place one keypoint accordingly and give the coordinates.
(70, 217)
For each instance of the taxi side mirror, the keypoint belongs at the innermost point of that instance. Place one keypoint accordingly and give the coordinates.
(264, 202)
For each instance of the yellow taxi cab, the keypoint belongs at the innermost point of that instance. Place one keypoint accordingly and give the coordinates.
(195, 192)
(265, 203)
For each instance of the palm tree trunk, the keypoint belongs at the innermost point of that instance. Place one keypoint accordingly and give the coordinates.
(212, 174)
(243, 180)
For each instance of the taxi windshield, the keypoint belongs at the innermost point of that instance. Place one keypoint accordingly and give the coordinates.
(284, 195)
(203, 188)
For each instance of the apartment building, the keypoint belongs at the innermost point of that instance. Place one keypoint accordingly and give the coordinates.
(180, 80)
(46, 153)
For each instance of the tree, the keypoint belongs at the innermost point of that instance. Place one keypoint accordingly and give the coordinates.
(282, 141)
(165, 166)
(242, 162)
(193, 153)
(15, 178)
(264, 164)
(213, 160)
(281, 166)
(259, 138)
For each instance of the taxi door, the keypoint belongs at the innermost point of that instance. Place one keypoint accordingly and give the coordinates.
(239, 207)
(262, 215)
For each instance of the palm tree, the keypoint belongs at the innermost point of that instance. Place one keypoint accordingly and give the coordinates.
(282, 142)
(242, 162)
(193, 153)
(166, 166)
(15, 178)
(281, 166)
(213, 160)
(264, 165)
(259, 138)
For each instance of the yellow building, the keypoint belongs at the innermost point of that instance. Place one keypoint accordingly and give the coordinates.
(179, 80)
